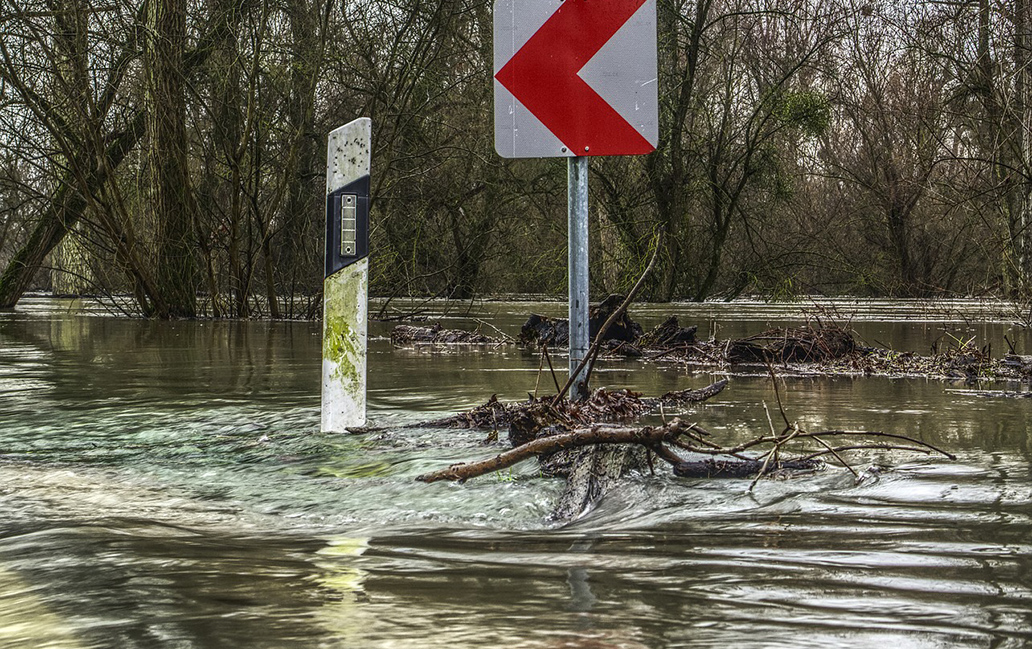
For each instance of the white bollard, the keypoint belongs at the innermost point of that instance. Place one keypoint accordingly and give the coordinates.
(346, 283)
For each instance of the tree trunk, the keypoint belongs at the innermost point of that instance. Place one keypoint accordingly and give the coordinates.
(68, 201)
(71, 268)
(300, 210)
(171, 200)
(67, 206)
(1022, 220)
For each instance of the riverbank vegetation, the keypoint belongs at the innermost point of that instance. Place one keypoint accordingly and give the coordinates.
(169, 154)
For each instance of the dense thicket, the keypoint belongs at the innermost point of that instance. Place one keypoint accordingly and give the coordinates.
(169, 153)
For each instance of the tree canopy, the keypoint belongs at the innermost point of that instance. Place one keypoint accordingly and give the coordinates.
(168, 154)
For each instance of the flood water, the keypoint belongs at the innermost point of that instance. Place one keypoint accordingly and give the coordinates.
(166, 485)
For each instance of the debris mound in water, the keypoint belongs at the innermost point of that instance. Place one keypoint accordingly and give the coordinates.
(436, 334)
(580, 443)
(602, 406)
(822, 349)
(803, 344)
(555, 332)
(669, 334)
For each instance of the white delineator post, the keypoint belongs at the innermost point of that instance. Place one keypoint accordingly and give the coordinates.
(346, 283)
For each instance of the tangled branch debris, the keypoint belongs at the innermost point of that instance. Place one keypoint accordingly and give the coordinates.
(809, 448)
(820, 349)
(555, 332)
(831, 350)
(602, 406)
(539, 429)
(437, 335)
(593, 444)
(802, 344)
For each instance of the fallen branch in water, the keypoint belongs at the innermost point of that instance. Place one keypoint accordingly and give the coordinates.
(691, 438)
(592, 444)
(600, 434)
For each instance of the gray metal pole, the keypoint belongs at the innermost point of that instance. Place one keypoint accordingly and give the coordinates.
(577, 217)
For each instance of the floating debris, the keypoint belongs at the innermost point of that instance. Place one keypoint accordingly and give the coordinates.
(669, 334)
(581, 442)
(403, 335)
(601, 406)
(542, 330)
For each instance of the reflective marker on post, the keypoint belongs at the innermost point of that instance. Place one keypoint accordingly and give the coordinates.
(348, 225)
(346, 283)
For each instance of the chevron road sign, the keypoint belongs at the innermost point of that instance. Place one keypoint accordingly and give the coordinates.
(575, 78)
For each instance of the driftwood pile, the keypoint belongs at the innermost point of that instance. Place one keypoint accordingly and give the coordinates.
(807, 350)
(668, 335)
(537, 429)
(963, 361)
(593, 445)
(603, 406)
(437, 335)
(541, 330)
(796, 345)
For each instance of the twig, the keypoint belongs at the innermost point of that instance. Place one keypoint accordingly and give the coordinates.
(911, 440)
(837, 456)
(774, 453)
(506, 337)
(835, 433)
(537, 377)
(548, 359)
(770, 423)
(777, 395)
(861, 447)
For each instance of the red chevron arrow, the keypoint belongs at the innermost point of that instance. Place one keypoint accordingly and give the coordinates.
(543, 75)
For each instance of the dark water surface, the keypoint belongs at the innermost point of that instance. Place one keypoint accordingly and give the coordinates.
(165, 485)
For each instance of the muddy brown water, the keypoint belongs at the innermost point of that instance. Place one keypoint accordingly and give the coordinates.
(166, 485)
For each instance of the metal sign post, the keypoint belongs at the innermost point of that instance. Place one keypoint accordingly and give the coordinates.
(346, 283)
(575, 78)
(577, 261)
